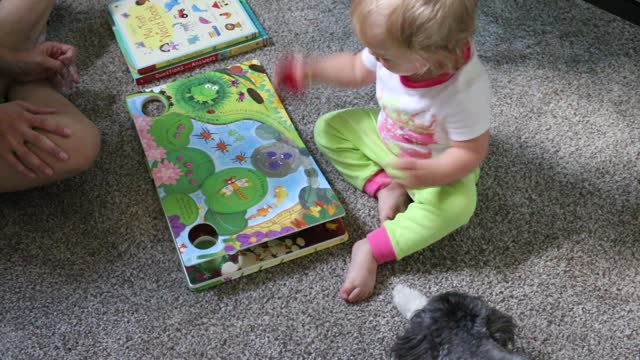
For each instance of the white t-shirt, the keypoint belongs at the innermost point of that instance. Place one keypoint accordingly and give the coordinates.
(420, 119)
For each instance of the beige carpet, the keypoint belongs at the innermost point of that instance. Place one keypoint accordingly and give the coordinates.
(88, 269)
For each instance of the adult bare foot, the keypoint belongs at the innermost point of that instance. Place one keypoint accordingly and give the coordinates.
(361, 276)
(392, 200)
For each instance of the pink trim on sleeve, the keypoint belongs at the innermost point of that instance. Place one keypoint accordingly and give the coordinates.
(376, 182)
(381, 245)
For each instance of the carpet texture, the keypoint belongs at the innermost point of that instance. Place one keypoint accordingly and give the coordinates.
(88, 268)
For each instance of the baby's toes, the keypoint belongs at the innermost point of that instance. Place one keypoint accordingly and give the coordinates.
(346, 290)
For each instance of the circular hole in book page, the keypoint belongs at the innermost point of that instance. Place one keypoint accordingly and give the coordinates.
(153, 107)
(203, 236)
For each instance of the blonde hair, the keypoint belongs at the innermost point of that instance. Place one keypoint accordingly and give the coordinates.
(436, 30)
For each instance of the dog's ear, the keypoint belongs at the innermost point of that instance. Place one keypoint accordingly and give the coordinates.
(501, 328)
(491, 350)
(408, 301)
(413, 345)
(417, 342)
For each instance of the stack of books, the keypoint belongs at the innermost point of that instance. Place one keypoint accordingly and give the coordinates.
(161, 38)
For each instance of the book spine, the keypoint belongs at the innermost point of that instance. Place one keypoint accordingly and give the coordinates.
(212, 50)
(253, 16)
(212, 58)
(119, 40)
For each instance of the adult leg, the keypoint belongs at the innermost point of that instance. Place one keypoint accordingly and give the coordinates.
(82, 146)
(22, 23)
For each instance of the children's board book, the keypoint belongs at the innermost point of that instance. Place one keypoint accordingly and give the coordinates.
(239, 189)
(157, 34)
(227, 52)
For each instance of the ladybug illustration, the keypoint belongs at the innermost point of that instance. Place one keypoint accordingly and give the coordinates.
(182, 14)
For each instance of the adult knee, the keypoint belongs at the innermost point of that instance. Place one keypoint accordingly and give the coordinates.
(84, 148)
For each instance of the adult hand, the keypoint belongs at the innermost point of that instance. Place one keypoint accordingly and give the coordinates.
(48, 60)
(18, 123)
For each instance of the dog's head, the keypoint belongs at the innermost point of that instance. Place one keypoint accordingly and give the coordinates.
(456, 326)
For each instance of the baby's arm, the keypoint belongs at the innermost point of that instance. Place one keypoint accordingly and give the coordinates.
(458, 161)
(340, 70)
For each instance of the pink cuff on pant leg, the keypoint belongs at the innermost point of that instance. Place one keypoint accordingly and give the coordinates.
(377, 182)
(381, 245)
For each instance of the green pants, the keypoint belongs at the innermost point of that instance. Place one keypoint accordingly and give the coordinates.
(350, 140)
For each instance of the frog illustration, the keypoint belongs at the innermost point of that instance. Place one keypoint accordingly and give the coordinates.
(205, 93)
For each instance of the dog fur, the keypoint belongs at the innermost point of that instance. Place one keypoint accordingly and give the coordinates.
(452, 326)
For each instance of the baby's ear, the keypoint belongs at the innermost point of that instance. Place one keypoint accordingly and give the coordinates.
(408, 301)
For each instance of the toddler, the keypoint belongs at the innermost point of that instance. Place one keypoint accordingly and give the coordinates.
(419, 153)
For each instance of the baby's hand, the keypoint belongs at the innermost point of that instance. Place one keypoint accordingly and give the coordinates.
(289, 74)
(410, 173)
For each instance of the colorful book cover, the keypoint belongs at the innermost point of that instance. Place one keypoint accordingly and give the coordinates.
(230, 169)
(158, 33)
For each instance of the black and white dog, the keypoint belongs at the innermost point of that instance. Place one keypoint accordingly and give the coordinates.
(452, 326)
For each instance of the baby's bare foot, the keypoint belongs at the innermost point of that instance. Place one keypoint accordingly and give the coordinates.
(392, 200)
(361, 276)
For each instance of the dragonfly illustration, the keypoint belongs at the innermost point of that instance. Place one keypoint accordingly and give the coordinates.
(234, 186)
